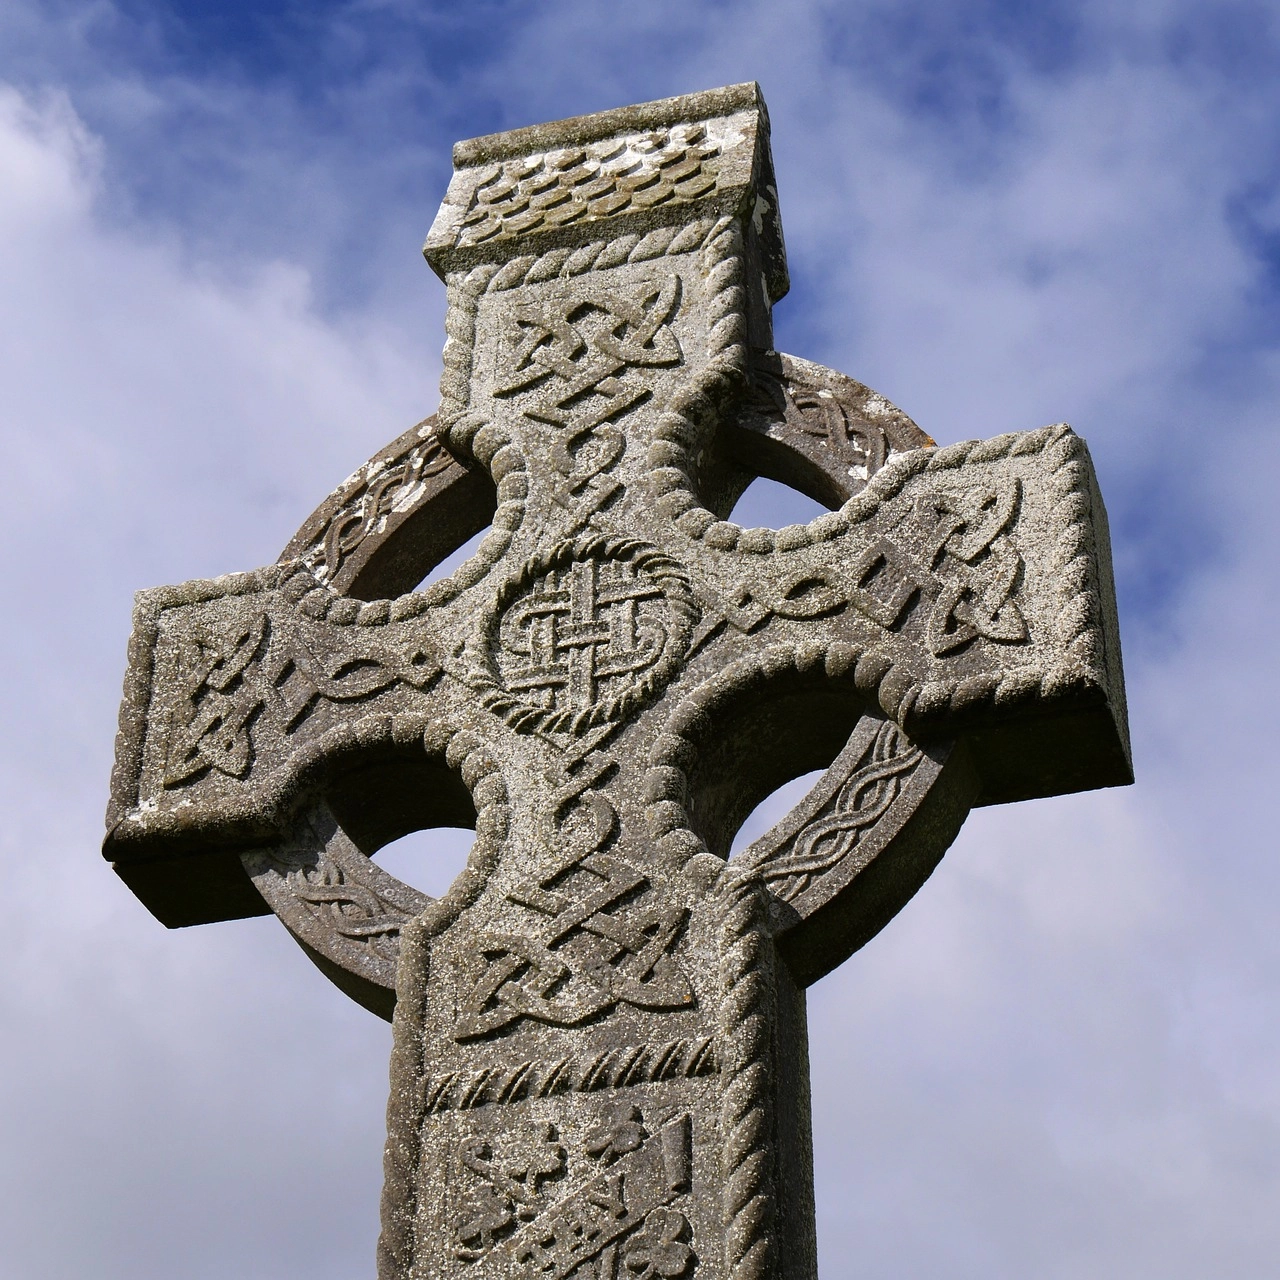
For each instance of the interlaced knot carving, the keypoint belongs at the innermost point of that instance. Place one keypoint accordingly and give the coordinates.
(583, 341)
(606, 940)
(583, 635)
(395, 487)
(832, 836)
(278, 673)
(860, 445)
(979, 563)
(221, 701)
(560, 360)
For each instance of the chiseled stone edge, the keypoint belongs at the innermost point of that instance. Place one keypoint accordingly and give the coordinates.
(403, 1150)
(689, 108)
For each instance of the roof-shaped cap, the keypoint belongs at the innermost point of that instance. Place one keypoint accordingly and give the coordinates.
(614, 173)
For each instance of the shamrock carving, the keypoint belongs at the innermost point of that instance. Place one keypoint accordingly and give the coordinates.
(511, 1188)
(484, 1215)
(622, 1131)
(540, 1159)
(658, 1248)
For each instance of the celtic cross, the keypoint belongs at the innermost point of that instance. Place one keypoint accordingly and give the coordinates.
(600, 1064)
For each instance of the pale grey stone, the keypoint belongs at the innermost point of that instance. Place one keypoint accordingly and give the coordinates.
(600, 1061)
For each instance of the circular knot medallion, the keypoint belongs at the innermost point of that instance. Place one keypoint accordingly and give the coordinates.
(584, 635)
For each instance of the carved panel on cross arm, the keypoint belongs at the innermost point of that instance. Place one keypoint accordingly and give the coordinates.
(945, 565)
(234, 679)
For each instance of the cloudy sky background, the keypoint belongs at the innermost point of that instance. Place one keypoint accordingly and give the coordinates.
(1059, 1062)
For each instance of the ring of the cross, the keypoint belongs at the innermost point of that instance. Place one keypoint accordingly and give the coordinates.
(412, 504)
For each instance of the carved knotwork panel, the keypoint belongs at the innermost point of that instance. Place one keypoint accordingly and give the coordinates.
(929, 572)
(586, 632)
(384, 491)
(599, 935)
(576, 377)
(334, 899)
(573, 350)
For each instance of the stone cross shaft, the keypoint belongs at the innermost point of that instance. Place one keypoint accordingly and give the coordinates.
(600, 1064)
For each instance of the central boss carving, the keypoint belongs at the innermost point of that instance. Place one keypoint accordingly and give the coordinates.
(584, 635)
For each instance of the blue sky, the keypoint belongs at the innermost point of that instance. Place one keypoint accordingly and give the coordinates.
(1059, 1062)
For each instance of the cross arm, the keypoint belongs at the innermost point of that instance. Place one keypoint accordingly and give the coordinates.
(240, 692)
(966, 590)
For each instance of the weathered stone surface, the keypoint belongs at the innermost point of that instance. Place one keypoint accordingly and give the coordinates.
(600, 1065)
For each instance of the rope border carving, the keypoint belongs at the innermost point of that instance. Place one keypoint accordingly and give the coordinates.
(744, 1038)
(617, 1068)
(464, 752)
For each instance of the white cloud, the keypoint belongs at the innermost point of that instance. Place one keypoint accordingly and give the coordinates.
(163, 419)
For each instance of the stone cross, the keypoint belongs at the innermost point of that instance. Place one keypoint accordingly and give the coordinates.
(600, 1066)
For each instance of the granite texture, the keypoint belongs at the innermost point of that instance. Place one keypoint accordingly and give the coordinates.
(600, 1063)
